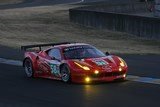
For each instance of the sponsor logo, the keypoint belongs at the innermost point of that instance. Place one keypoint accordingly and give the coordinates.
(107, 68)
(100, 62)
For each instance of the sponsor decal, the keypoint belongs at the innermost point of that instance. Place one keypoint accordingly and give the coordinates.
(100, 62)
(55, 69)
(108, 69)
(111, 59)
(82, 60)
(73, 48)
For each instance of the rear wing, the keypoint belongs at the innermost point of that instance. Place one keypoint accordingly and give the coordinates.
(24, 48)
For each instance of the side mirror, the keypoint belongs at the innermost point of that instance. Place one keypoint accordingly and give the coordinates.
(107, 53)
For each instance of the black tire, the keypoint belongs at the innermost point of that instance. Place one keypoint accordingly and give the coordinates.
(65, 73)
(28, 67)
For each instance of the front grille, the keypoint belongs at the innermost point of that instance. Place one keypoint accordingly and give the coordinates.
(108, 74)
(113, 74)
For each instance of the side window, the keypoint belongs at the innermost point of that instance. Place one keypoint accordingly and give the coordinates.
(55, 53)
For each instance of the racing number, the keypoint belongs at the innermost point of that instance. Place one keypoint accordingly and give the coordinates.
(54, 69)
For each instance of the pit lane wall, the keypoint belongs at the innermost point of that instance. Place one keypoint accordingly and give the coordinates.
(148, 27)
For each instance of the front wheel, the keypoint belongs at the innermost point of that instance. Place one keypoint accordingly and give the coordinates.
(28, 68)
(65, 74)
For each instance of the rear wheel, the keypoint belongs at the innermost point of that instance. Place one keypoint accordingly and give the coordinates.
(28, 68)
(65, 74)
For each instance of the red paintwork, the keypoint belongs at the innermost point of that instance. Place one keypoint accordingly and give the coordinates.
(42, 69)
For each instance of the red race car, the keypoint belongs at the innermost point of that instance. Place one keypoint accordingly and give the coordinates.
(73, 62)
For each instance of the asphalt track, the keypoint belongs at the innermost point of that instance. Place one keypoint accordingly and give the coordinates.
(33, 3)
(19, 91)
(16, 90)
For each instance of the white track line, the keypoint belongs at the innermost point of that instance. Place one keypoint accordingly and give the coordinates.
(80, 1)
(129, 77)
(10, 62)
(143, 79)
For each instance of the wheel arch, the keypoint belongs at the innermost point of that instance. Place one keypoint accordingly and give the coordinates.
(25, 60)
(65, 64)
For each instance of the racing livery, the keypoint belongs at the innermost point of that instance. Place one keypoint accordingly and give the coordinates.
(72, 62)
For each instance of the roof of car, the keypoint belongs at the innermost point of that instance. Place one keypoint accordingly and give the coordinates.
(66, 45)
(70, 44)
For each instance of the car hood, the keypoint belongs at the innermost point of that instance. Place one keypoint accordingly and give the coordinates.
(102, 63)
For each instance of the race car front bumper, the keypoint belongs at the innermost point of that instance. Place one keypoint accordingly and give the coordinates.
(101, 77)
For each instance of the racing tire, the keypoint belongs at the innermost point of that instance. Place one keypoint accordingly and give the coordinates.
(28, 66)
(65, 74)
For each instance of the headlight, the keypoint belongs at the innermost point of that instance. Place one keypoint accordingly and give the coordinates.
(122, 62)
(96, 72)
(84, 67)
(120, 69)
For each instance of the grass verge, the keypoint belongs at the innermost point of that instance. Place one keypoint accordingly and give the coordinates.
(47, 24)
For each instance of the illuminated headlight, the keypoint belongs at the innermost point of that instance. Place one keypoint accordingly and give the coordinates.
(124, 75)
(120, 69)
(96, 72)
(81, 66)
(122, 62)
(86, 68)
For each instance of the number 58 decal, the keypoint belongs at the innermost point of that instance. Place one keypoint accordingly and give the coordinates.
(54, 69)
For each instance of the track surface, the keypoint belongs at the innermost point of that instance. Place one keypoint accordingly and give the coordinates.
(19, 91)
(32, 3)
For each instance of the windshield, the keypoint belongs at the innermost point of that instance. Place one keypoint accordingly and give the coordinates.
(81, 52)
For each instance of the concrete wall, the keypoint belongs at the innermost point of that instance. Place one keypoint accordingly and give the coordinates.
(148, 27)
(157, 8)
(118, 8)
